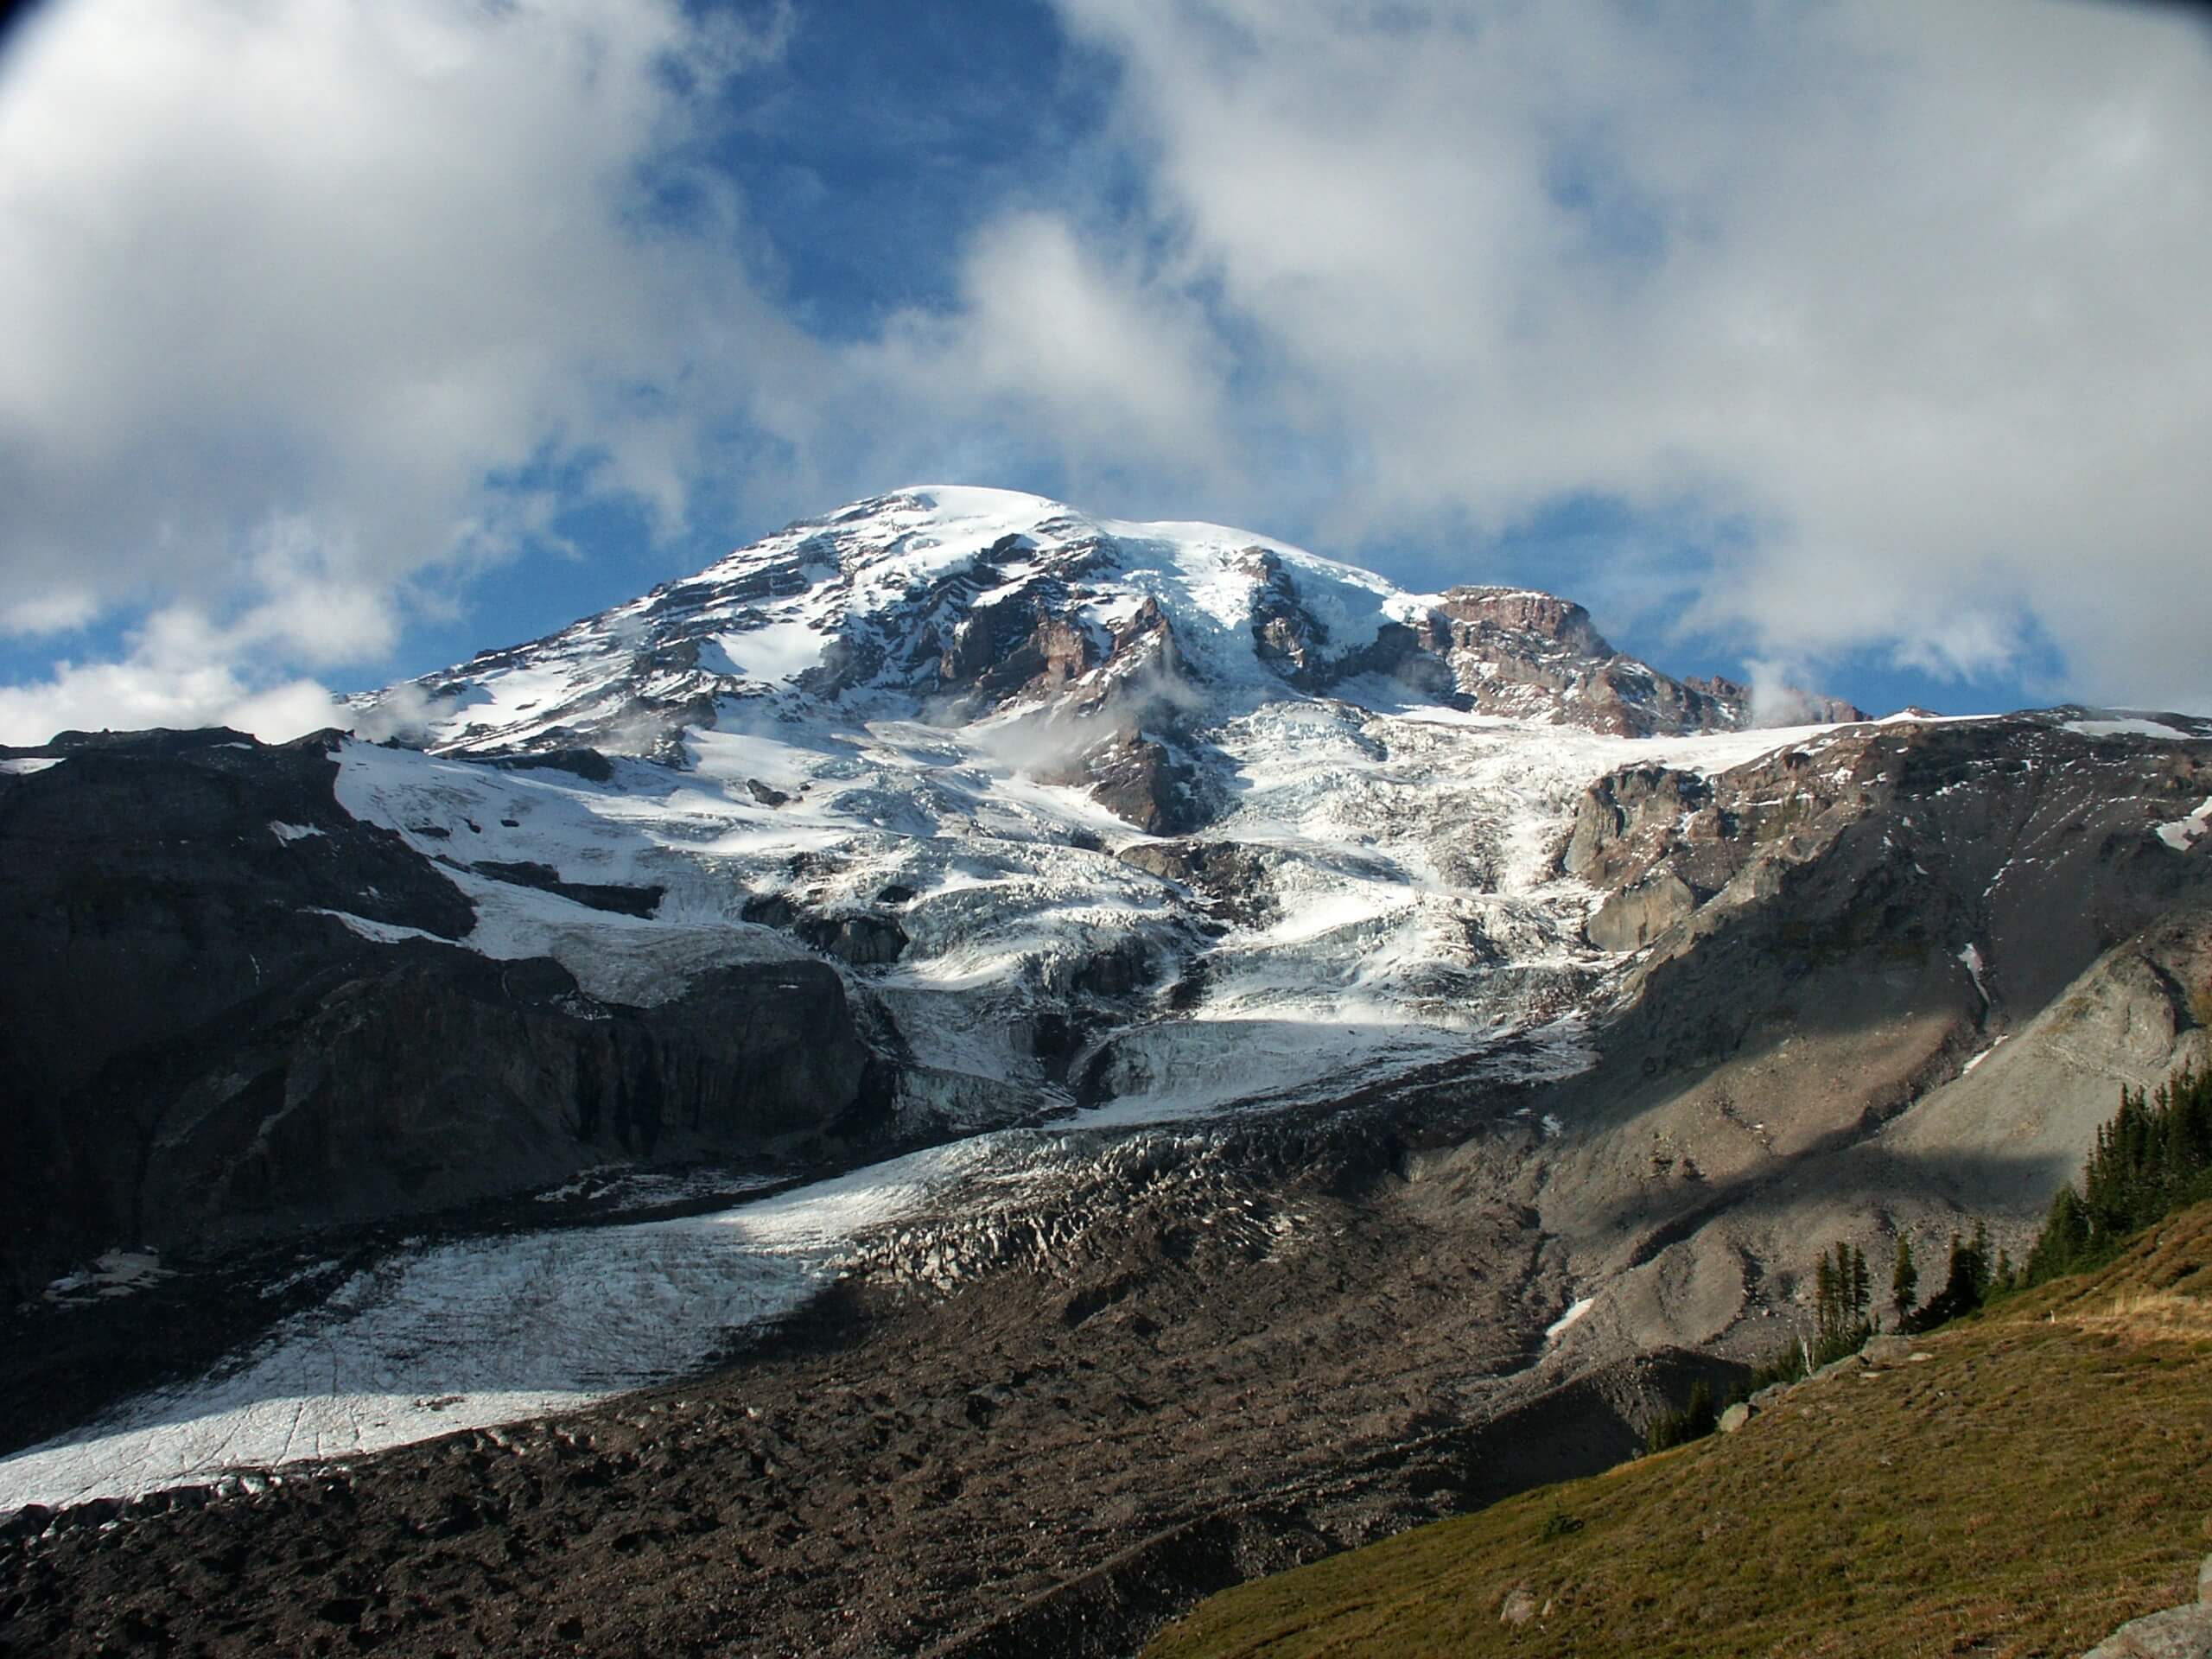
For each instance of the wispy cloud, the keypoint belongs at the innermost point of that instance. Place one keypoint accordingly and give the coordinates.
(287, 285)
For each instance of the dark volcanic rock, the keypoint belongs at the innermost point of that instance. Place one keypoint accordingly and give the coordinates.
(1231, 875)
(860, 938)
(1511, 651)
(1005, 650)
(2031, 843)
(1142, 782)
(434, 1076)
(598, 895)
(587, 764)
(1285, 635)
(200, 1045)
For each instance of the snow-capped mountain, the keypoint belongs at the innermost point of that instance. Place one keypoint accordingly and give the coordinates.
(1093, 810)
(1043, 856)
(964, 605)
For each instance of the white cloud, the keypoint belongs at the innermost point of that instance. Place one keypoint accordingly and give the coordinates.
(1089, 356)
(1911, 292)
(143, 692)
(58, 610)
(285, 282)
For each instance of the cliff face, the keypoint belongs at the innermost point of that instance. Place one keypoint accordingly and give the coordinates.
(234, 1010)
(1895, 971)
(2022, 847)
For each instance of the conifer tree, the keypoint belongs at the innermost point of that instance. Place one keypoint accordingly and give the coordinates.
(1842, 1295)
(1904, 1280)
(2064, 1239)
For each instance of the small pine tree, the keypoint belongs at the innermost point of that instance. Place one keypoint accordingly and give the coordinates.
(2064, 1240)
(1692, 1422)
(1962, 1292)
(1904, 1280)
(1702, 1418)
(1842, 1295)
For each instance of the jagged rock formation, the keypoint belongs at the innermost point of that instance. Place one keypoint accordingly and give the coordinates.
(984, 603)
(1899, 969)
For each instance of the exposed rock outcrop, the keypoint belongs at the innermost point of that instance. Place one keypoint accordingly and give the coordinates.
(1140, 780)
(213, 1033)
(1511, 651)
(1231, 875)
(598, 896)
(1984, 822)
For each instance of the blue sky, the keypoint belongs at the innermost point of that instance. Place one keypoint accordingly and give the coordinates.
(1851, 346)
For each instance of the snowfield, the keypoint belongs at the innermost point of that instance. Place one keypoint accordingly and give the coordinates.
(482, 1331)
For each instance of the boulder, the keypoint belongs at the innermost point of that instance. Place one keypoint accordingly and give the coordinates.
(2177, 1633)
(1634, 917)
(1736, 1416)
(2183, 1633)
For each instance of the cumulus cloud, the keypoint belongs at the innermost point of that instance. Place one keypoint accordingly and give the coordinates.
(1907, 293)
(289, 284)
(175, 677)
(1096, 356)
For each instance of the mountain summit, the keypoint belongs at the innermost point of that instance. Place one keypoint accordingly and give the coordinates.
(965, 606)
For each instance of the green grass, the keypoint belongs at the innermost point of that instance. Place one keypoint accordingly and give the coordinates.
(2045, 1476)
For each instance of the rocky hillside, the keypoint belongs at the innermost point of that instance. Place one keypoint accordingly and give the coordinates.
(235, 1009)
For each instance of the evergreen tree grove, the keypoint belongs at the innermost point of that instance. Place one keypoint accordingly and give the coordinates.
(1843, 1297)
(1692, 1422)
(2154, 1157)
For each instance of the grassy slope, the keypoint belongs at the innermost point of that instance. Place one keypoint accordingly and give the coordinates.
(2046, 1475)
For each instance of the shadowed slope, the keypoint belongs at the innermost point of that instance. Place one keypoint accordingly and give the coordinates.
(2043, 1476)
